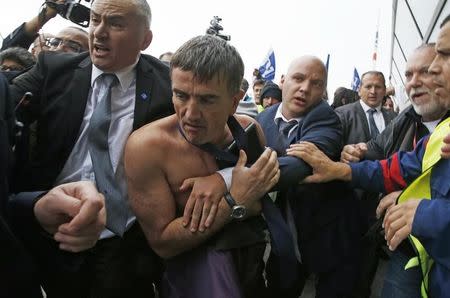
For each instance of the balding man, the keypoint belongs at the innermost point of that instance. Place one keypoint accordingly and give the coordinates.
(320, 216)
(403, 133)
(421, 215)
(70, 39)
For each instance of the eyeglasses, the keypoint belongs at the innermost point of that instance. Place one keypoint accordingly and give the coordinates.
(55, 42)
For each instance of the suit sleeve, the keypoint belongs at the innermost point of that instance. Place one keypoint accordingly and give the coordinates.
(375, 147)
(42, 247)
(18, 38)
(321, 127)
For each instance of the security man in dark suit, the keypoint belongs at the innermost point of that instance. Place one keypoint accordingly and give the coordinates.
(321, 217)
(73, 213)
(122, 90)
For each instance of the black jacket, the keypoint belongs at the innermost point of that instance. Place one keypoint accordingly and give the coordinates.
(18, 274)
(355, 127)
(399, 135)
(60, 84)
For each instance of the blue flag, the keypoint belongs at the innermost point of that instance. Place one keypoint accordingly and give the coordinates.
(267, 69)
(356, 81)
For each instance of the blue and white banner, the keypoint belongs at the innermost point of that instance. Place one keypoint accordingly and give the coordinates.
(267, 69)
(356, 80)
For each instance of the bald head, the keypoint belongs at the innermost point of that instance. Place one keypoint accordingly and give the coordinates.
(303, 86)
(309, 61)
(70, 39)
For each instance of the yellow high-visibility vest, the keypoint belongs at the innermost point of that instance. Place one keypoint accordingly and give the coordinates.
(421, 188)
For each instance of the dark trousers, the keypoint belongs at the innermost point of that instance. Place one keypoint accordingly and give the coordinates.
(336, 283)
(371, 243)
(115, 267)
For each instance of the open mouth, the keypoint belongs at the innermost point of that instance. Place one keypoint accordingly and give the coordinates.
(300, 100)
(100, 49)
(418, 95)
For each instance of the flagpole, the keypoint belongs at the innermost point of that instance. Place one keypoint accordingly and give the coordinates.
(375, 50)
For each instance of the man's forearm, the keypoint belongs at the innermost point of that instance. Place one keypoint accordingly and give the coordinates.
(176, 239)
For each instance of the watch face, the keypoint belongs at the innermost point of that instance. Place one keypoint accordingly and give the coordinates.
(238, 212)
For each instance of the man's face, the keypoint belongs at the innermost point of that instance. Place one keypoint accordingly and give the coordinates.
(269, 101)
(11, 65)
(419, 83)
(202, 108)
(41, 44)
(257, 88)
(69, 40)
(372, 90)
(303, 86)
(440, 68)
(117, 34)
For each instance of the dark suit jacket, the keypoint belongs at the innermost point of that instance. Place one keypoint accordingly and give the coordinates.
(18, 274)
(323, 213)
(354, 122)
(18, 38)
(60, 84)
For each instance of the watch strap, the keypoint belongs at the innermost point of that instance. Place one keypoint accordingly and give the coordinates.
(230, 200)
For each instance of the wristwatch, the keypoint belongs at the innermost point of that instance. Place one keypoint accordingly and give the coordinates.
(237, 211)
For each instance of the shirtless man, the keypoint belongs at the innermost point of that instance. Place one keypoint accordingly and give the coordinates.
(206, 74)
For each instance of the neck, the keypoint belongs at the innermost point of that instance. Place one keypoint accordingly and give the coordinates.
(433, 117)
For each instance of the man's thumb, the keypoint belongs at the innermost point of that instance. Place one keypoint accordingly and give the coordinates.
(362, 146)
(242, 161)
(187, 184)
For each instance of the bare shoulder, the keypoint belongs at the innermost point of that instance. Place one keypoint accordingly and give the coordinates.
(148, 144)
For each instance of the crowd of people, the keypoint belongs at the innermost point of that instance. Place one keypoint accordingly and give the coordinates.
(125, 175)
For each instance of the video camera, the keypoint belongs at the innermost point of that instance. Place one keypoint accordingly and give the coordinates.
(73, 11)
(215, 28)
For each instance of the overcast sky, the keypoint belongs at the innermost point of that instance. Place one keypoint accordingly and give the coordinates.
(345, 29)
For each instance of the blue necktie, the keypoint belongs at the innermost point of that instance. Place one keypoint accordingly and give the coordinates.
(373, 127)
(116, 209)
(282, 242)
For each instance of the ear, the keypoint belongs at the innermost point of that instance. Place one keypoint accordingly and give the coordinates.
(236, 99)
(148, 37)
(281, 82)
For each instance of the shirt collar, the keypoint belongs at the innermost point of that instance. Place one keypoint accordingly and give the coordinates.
(366, 108)
(279, 115)
(125, 75)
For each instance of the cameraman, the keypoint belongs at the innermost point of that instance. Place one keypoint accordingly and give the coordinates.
(25, 34)
(70, 39)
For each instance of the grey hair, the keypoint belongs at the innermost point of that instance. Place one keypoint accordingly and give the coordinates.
(144, 11)
(207, 56)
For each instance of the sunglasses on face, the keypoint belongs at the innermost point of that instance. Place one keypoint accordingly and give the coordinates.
(55, 42)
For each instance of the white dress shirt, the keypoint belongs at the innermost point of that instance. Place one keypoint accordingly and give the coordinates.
(79, 165)
(378, 116)
(280, 117)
